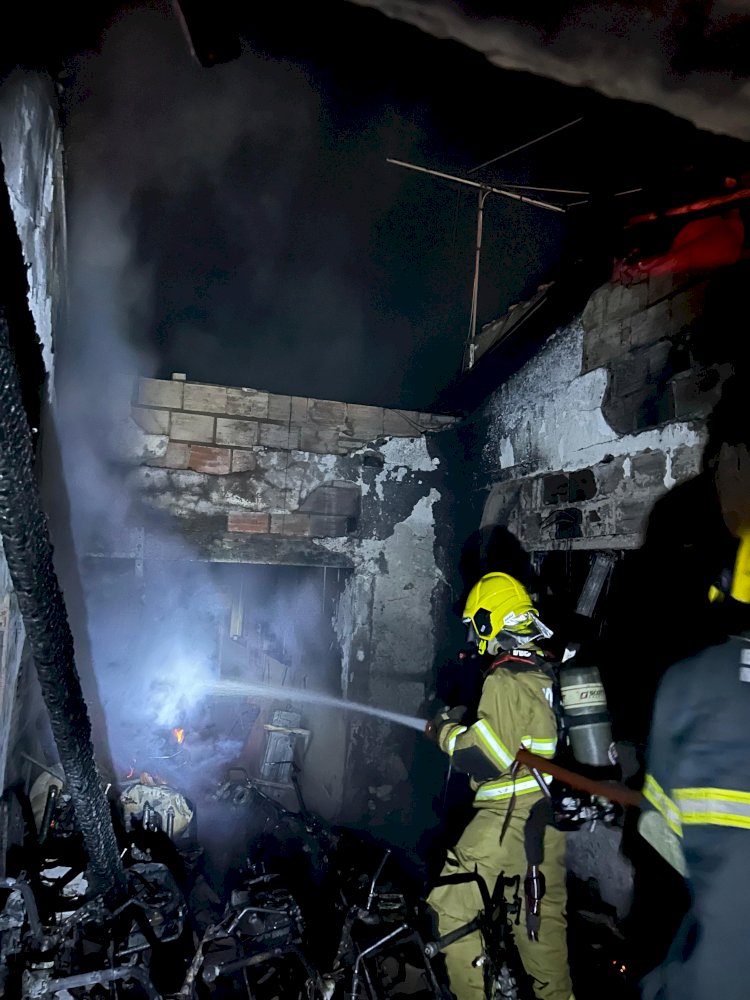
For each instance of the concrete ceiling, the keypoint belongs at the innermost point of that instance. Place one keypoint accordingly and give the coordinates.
(688, 57)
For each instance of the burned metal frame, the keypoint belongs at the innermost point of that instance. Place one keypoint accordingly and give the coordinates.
(28, 552)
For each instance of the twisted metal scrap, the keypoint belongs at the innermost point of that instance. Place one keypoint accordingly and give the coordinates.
(28, 551)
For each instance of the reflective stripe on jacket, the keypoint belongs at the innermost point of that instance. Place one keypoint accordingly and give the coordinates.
(515, 710)
(699, 749)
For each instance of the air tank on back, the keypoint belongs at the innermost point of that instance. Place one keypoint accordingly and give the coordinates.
(585, 715)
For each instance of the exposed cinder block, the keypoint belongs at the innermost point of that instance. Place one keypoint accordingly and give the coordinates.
(650, 325)
(686, 462)
(160, 392)
(328, 526)
(364, 422)
(626, 300)
(299, 409)
(659, 286)
(328, 412)
(151, 421)
(339, 499)
(280, 436)
(291, 524)
(177, 456)
(213, 461)
(239, 433)
(604, 343)
(244, 461)
(649, 468)
(249, 522)
(320, 440)
(609, 476)
(595, 311)
(401, 423)
(279, 407)
(686, 306)
(247, 403)
(192, 427)
(205, 398)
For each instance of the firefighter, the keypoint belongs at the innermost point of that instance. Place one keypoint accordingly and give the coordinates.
(698, 780)
(516, 709)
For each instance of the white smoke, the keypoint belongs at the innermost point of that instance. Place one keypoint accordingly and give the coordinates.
(132, 137)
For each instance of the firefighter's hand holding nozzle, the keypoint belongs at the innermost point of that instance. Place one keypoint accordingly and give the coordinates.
(448, 715)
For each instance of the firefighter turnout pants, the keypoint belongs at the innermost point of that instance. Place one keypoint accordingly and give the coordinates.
(545, 960)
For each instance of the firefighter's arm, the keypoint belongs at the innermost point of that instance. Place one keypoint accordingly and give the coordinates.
(657, 786)
(660, 822)
(487, 748)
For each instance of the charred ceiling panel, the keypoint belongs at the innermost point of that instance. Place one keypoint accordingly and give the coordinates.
(690, 59)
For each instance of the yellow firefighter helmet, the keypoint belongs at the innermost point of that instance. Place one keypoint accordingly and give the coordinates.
(500, 613)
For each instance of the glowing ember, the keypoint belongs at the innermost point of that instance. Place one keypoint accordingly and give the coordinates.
(179, 735)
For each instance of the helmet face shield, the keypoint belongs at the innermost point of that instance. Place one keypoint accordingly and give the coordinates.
(518, 631)
(522, 630)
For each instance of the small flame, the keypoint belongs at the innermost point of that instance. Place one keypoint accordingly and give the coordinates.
(179, 735)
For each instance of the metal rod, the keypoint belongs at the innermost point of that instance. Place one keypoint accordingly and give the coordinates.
(50, 987)
(534, 187)
(50, 770)
(476, 184)
(475, 285)
(526, 145)
(368, 951)
(375, 878)
(49, 813)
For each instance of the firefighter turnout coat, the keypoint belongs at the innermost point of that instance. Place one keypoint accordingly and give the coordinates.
(516, 709)
(698, 781)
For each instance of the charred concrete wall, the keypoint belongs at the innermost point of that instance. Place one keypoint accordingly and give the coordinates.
(607, 417)
(248, 476)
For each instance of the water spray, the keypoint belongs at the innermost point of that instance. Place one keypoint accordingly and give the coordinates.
(237, 689)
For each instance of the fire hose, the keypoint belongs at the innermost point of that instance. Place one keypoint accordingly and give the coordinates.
(611, 790)
(28, 551)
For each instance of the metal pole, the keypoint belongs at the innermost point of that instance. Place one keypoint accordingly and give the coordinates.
(475, 287)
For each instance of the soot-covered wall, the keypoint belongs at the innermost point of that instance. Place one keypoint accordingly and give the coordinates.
(243, 475)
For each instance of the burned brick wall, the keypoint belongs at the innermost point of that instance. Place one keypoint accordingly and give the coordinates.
(247, 476)
(610, 414)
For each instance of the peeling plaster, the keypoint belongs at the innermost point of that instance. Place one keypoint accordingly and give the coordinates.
(410, 452)
(393, 607)
(549, 416)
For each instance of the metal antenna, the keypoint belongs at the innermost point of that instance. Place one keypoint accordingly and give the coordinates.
(525, 145)
(484, 191)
